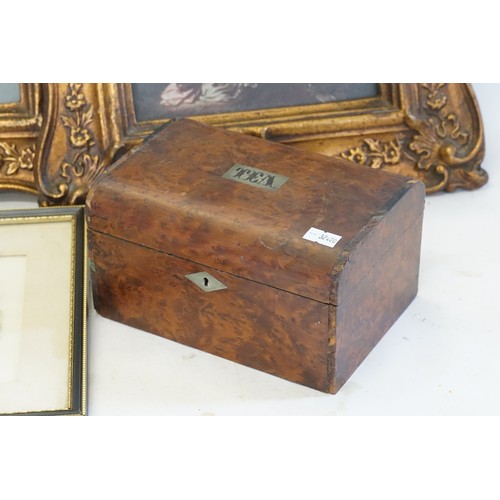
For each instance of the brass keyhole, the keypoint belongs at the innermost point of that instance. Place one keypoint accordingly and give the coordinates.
(206, 282)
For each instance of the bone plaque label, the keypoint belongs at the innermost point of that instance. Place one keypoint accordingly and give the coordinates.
(255, 177)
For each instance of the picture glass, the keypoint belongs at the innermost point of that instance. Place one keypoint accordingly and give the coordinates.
(36, 282)
(9, 93)
(154, 101)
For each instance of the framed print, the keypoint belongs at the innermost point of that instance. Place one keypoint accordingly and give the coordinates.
(43, 311)
(428, 131)
(157, 101)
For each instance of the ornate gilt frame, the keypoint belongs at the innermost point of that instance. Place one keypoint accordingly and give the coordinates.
(432, 132)
(20, 125)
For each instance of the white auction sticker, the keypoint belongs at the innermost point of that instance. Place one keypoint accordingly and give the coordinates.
(322, 237)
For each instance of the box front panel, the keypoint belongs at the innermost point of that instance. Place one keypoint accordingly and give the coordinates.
(259, 326)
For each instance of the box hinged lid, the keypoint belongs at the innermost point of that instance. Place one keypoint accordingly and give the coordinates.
(267, 212)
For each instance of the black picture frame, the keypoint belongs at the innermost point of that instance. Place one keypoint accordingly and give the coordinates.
(64, 261)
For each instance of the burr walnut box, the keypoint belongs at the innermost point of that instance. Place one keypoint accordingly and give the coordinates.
(286, 261)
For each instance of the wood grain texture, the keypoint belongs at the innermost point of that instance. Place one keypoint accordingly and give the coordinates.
(268, 329)
(172, 189)
(293, 308)
(376, 287)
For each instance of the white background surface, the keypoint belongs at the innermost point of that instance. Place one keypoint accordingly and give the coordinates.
(440, 358)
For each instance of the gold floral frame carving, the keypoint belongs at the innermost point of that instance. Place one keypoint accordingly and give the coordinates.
(61, 136)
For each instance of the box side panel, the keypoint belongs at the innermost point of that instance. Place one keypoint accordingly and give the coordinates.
(370, 309)
(259, 326)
